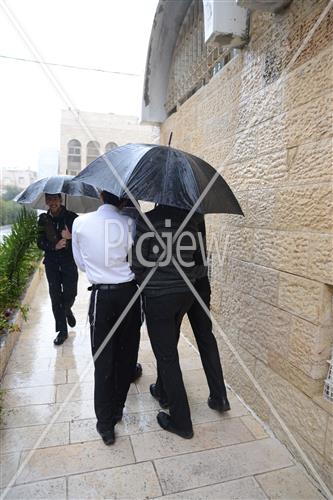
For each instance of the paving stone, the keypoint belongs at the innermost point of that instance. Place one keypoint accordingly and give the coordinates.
(74, 459)
(33, 379)
(29, 396)
(131, 423)
(140, 402)
(42, 414)
(9, 466)
(83, 391)
(232, 462)
(208, 435)
(240, 489)
(288, 483)
(115, 483)
(254, 426)
(53, 488)
(23, 438)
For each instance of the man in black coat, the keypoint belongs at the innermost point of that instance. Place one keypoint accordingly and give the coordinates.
(201, 324)
(54, 238)
(166, 298)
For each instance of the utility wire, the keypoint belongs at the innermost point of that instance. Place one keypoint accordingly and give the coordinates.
(36, 61)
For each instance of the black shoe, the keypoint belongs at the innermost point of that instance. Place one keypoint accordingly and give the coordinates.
(218, 404)
(164, 421)
(154, 392)
(106, 435)
(60, 338)
(71, 319)
(137, 372)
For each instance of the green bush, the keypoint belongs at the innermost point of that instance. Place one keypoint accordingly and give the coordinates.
(19, 256)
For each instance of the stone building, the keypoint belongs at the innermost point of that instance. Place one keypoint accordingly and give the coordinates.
(17, 177)
(248, 87)
(86, 135)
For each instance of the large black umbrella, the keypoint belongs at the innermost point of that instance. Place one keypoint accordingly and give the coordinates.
(79, 197)
(162, 175)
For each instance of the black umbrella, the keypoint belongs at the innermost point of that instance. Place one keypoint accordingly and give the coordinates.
(162, 175)
(79, 197)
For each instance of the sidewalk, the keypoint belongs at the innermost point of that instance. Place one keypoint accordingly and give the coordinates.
(230, 456)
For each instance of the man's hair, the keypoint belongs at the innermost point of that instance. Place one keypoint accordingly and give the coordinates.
(111, 199)
(53, 194)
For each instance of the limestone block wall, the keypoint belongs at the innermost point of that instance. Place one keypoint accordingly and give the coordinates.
(265, 121)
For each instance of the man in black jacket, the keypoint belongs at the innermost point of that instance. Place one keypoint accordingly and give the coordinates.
(166, 298)
(201, 324)
(55, 239)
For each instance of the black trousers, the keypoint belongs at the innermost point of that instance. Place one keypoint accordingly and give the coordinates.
(164, 315)
(202, 329)
(114, 365)
(62, 278)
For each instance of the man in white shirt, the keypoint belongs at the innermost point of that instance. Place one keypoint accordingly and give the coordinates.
(101, 242)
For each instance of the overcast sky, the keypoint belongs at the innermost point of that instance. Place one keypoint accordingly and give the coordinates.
(105, 34)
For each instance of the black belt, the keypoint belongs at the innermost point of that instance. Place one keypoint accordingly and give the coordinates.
(112, 286)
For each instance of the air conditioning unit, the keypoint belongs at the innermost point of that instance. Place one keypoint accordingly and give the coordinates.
(226, 24)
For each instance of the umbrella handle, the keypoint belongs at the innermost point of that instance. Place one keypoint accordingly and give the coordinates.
(170, 138)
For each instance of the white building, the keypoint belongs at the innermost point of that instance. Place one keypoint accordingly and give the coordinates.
(84, 136)
(15, 177)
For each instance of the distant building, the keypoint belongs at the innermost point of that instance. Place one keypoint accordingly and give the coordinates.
(48, 163)
(19, 178)
(88, 135)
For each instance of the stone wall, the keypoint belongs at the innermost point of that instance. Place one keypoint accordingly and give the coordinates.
(265, 121)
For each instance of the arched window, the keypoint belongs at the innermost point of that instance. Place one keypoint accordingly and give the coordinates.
(92, 151)
(110, 145)
(73, 157)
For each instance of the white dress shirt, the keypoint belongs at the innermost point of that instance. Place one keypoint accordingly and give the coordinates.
(101, 241)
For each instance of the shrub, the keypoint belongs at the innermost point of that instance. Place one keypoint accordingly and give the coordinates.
(19, 256)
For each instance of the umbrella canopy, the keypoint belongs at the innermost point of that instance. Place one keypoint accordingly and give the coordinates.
(79, 197)
(162, 175)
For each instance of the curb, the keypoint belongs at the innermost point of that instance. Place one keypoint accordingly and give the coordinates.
(9, 339)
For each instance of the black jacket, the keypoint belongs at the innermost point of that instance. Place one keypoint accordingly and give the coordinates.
(50, 233)
(166, 279)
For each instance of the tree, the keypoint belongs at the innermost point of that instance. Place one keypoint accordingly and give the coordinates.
(11, 192)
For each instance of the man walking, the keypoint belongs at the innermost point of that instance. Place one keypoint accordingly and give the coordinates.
(55, 239)
(166, 299)
(201, 324)
(101, 242)
(202, 329)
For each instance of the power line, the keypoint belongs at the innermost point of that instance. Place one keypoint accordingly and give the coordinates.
(69, 66)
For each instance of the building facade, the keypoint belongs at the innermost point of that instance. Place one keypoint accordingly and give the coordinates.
(258, 106)
(84, 136)
(20, 178)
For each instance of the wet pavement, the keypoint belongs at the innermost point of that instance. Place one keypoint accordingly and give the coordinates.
(50, 446)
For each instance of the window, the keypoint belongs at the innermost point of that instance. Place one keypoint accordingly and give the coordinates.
(74, 157)
(93, 151)
(194, 63)
(109, 146)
